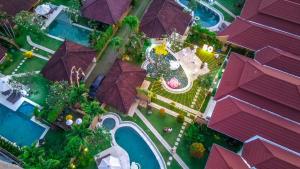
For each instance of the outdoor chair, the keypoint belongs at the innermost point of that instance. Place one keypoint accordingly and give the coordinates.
(7, 92)
(14, 97)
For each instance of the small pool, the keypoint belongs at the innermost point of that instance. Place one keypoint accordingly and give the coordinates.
(17, 127)
(136, 147)
(62, 27)
(109, 123)
(207, 17)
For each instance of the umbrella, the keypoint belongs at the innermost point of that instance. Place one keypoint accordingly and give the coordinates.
(110, 162)
(42, 9)
(69, 122)
(78, 121)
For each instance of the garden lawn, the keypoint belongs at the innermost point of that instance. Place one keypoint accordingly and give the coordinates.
(160, 122)
(231, 5)
(30, 65)
(17, 58)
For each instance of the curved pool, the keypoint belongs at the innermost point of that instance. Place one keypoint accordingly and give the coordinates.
(136, 147)
(207, 17)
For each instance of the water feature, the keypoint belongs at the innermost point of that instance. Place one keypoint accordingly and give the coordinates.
(17, 127)
(62, 27)
(206, 16)
(109, 123)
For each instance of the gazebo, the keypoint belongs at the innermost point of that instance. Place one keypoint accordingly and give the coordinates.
(71, 62)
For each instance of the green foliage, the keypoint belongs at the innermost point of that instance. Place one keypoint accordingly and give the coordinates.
(197, 150)
(11, 148)
(73, 146)
(135, 48)
(180, 118)
(28, 22)
(132, 21)
(206, 80)
(99, 141)
(92, 108)
(78, 93)
(192, 4)
(200, 36)
(7, 62)
(116, 42)
(102, 39)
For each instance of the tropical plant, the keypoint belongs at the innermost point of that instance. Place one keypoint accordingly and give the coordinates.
(206, 80)
(135, 48)
(102, 39)
(116, 42)
(28, 22)
(197, 150)
(161, 50)
(162, 112)
(132, 21)
(7, 33)
(11, 148)
(92, 108)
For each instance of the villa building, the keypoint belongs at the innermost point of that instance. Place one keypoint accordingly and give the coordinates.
(106, 11)
(118, 89)
(69, 63)
(12, 7)
(3, 51)
(258, 100)
(164, 17)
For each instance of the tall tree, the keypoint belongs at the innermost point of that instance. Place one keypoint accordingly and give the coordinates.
(7, 33)
(132, 21)
(117, 43)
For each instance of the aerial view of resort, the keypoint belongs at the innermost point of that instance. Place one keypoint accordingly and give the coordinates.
(149, 84)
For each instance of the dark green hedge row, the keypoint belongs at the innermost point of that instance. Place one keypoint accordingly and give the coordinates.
(8, 146)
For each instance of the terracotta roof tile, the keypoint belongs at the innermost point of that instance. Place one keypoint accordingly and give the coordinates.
(12, 7)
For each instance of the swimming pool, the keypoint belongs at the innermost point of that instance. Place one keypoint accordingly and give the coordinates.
(17, 127)
(136, 147)
(62, 27)
(207, 17)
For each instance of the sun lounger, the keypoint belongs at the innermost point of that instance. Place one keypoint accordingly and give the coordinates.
(14, 97)
(7, 92)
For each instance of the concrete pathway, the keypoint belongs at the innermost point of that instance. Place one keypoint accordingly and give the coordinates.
(36, 55)
(178, 105)
(38, 46)
(170, 112)
(225, 9)
(161, 139)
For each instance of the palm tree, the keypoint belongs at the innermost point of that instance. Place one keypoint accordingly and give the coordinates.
(117, 43)
(80, 131)
(7, 33)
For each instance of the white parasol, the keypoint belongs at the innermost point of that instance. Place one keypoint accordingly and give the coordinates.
(42, 9)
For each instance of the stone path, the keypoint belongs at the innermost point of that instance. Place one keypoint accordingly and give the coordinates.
(20, 64)
(225, 9)
(170, 112)
(39, 46)
(195, 97)
(162, 140)
(178, 105)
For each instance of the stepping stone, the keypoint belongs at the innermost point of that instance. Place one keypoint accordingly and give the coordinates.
(178, 139)
(183, 127)
(176, 143)
(21, 64)
(184, 123)
(181, 131)
(179, 135)
(170, 158)
(168, 163)
(18, 67)
(13, 73)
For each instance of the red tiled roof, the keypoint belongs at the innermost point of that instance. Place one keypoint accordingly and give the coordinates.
(280, 14)
(106, 11)
(68, 55)
(12, 7)
(118, 89)
(256, 36)
(3, 51)
(221, 158)
(262, 86)
(163, 17)
(262, 155)
(279, 59)
(243, 121)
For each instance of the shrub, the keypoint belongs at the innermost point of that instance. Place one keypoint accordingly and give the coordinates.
(180, 118)
(162, 112)
(197, 150)
(11, 148)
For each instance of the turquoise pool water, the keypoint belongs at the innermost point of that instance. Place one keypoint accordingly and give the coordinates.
(136, 147)
(62, 27)
(208, 17)
(109, 123)
(17, 127)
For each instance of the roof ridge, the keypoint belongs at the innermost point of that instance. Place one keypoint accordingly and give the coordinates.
(110, 9)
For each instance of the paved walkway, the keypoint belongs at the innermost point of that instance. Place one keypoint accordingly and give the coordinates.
(225, 9)
(110, 54)
(161, 139)
(39, 46)
(35, 54)
(178, 105)
(170, 112)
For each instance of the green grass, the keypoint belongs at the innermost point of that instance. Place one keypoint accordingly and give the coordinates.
(231, 5)
(30, 65)
(17, 58)
(161, 122)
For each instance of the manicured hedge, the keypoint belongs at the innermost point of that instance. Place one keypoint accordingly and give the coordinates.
(11, 148)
